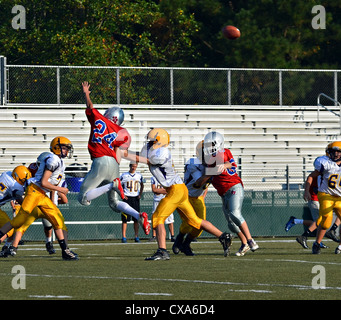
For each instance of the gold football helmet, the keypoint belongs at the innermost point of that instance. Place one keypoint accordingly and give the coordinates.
(56, 145)
(331, 148)
(157, 138)
(21, 174)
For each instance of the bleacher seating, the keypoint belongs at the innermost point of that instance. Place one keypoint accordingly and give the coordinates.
(265, 141)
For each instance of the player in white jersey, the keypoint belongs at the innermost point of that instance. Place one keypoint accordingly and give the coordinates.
(12, 188)
(132, 184)
(329, 191)
(47, 178)
(160, 164)
(194, 169)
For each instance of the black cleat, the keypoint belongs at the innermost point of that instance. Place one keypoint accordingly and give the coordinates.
(187, 250)
(302, 240)
(177, 245)
(49, 248)
(331, 234)
(316, 248)
(159, 255)
(4, 252)
(67, 254)
(226, 240)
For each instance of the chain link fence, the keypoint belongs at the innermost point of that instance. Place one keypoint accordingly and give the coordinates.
(148, 86)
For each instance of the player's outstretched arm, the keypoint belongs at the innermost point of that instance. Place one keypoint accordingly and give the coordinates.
(86, 90)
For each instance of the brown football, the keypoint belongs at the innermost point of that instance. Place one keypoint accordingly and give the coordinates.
(231, 32)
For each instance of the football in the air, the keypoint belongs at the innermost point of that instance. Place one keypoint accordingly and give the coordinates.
(231, 32)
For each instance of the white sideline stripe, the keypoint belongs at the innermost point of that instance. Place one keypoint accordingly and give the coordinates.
(257, 291)
(50, 296)
(152, 294)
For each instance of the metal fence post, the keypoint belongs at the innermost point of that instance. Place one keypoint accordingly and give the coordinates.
(229, 87)
(335, 88)
(171, 86)
(2, 80)
(280, 88)
(118, 90)
(58, 85)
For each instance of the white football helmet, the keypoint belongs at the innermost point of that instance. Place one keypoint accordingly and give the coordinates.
(115, 114)
(213, 142)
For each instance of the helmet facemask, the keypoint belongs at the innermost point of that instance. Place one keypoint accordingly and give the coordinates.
(331, 150)
(213, 143)
(58, 145)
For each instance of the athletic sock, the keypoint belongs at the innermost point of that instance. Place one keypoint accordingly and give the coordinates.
(127, 209)
(62, 244)
(334, 227)
(307, 233)
(95, 193)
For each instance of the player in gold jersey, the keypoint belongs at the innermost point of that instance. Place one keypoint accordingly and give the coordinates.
(329, 191)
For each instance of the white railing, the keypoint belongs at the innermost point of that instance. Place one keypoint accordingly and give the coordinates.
(319, 104)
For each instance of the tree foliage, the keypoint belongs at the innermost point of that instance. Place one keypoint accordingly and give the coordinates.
(275, 34)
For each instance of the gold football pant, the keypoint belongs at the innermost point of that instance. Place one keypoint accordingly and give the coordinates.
(33, 216)
(198, 204)
(3, 220)
(328, 204)
(177, 197)
(35, 197)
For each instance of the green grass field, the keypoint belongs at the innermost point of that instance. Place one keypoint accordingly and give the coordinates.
(279, 270)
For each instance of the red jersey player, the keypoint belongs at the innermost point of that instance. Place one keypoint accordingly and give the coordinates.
(106, 138)
(223, 169)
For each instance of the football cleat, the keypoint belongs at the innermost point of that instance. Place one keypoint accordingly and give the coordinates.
(338, 250)
(316, 248)
(159, 255)
(323, 246)
(253, 245)
(226, 240)
(187, 250)
(290, 223)
(302, 240)
(124, 240)
(242, 250)
(49, 248)
(4, 252)
(117, 186)
(177, 245)
(144, 222)
(67, 254)
(331, 234)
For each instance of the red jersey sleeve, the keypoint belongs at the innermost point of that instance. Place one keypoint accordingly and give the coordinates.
(105, 135)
